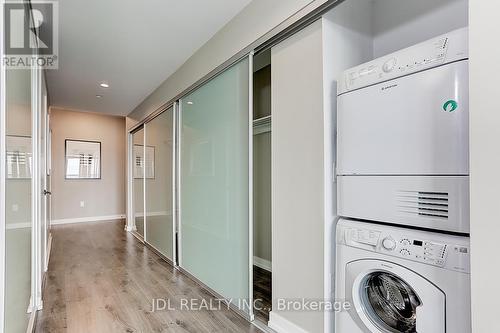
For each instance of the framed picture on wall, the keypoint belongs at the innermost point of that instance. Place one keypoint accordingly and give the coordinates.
(19, 157)
(144, 162)
(83, 159)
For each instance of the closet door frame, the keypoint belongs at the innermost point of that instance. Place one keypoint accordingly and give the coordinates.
(3, 128)
(131, 226)
(250, 185)
(36, 277)
(177, 182)
(36, 193)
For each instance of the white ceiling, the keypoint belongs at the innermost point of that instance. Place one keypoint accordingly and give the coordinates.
(133, 45)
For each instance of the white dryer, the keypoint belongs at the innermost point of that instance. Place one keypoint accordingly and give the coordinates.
(403, 137)
(401, 280)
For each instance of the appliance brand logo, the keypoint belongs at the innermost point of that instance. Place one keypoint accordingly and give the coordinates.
(450, 105)
(389, 87)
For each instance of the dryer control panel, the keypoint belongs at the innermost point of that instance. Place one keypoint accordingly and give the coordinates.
(445, 251)
(434, 52)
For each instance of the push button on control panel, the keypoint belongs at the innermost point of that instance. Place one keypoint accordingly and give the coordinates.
(405, 252)
(405, 242)
(427, 252)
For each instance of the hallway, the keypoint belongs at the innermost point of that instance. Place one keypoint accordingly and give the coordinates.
(101, 279)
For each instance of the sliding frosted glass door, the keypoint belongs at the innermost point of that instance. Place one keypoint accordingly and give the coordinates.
(159, 163)
(214, 183)
(18, 199)
(138, 179)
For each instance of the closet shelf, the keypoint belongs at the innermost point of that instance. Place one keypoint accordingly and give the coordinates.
(262, 125)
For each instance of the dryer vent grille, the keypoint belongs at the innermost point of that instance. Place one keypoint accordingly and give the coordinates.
(425, 204)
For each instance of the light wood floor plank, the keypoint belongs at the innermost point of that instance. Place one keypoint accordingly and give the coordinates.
(101, 279)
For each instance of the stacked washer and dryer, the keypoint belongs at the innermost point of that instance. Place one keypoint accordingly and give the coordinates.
(402, 251)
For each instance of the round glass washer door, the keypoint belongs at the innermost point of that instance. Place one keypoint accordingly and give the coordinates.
(390, 303)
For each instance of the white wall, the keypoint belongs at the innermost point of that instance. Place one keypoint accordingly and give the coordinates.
(485, 163)
(401, 23)
(102, 197)
(297, 177)
(347, 41)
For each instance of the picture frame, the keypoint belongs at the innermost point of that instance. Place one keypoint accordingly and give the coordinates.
(82, 159)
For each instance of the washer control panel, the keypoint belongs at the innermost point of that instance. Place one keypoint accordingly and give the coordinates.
(425, 251)
(445, 251)
(437, 51)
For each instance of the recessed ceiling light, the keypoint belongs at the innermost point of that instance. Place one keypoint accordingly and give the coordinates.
(104, 85)
(98, 96)
(190, 103)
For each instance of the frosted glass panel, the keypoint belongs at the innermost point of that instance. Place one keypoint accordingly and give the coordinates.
(159, 182)
(18, 200)
(214, 183)
(138, 166)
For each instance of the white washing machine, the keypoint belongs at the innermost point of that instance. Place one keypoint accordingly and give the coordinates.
(401, 280)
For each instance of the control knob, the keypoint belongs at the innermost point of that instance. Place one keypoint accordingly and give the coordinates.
(389, 65)
(389, 244)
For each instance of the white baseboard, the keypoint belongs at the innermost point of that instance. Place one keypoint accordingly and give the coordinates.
(49, 250)
(262, 263)
(88, 219)
(160, 213)
(282, 325)
(13, 226)
(32, 322)
(130, 228)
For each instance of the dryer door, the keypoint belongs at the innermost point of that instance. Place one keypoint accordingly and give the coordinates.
(388, 298)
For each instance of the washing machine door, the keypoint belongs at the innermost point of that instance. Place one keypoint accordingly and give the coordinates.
(389, 298)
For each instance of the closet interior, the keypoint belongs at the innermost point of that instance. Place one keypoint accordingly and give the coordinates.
(262, 231)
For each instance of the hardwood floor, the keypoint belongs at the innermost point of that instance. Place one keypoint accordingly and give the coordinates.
(101, 279)
(262, 282)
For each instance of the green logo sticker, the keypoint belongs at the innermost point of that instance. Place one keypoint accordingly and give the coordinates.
(450, 105)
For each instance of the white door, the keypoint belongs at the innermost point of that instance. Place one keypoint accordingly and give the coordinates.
(388, 298)
(44, 174)
(45, 179)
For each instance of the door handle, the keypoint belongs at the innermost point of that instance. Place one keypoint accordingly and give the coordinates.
(45, 192)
